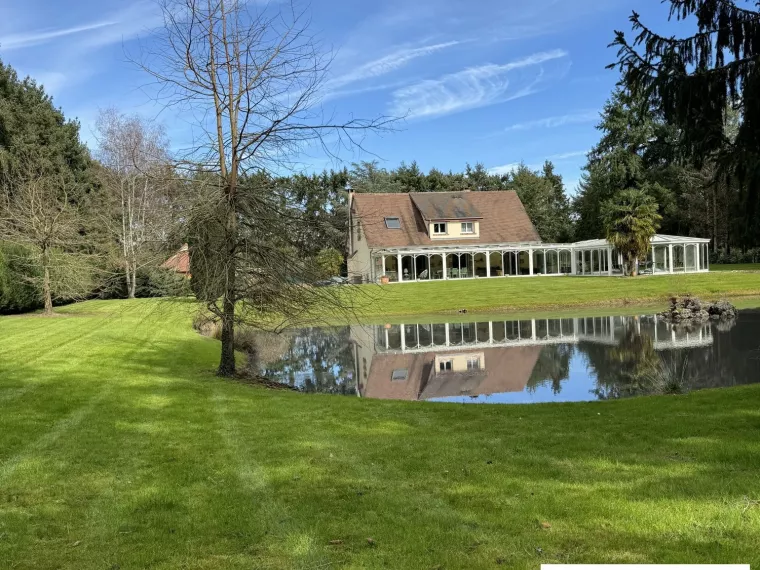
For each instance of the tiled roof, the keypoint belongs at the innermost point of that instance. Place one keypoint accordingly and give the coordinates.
(506, 369)
(445, 205)
(504, 220)
(179, 262)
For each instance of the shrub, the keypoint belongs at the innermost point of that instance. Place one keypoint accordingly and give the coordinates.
(151, 282)
(735, 257)
(330, 261)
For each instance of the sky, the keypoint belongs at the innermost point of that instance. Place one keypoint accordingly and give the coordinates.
(492, 81)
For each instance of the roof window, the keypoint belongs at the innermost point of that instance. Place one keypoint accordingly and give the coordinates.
(393, 223)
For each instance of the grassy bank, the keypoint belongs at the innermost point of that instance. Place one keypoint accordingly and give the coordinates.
(120, 449)
(538, 293)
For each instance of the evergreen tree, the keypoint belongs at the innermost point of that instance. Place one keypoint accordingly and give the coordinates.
(33, 129)
(696, 80)
(634, 152)
(543, 197)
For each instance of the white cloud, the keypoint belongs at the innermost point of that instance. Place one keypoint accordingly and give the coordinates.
(124, 24)
(554, 122)
(504, 168)
(387, 64)
(470, 88)
(566, 155)
(28, 39)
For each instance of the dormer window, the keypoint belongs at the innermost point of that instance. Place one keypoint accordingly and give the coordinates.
(440, 228)
(393, 223)
(468, 228)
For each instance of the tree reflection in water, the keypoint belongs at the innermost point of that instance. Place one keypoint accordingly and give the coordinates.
(315, 360)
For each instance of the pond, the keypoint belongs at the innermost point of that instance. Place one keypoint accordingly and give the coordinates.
(497, 360)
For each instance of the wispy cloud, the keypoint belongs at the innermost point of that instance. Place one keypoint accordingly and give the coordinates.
(388, 63)
(123, 24)
(554, 122)
(504, 168)
(567, 155)
(28, 39)
(470, 88)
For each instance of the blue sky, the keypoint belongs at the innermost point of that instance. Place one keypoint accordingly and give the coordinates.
(497, 82)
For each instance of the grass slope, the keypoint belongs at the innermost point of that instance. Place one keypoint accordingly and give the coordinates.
(119, 449)
(532, 293)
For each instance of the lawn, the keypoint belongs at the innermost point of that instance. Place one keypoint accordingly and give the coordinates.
(540, 293)
(119, 449)
(736, 267)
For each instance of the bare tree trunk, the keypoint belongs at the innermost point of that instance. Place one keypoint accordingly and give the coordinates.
(46, 289)
(133, 282)
(127, 274)
(227, 362)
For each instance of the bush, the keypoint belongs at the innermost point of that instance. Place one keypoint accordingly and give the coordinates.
(151, 282)
(19, 279)
(330, 261)
(735, 257)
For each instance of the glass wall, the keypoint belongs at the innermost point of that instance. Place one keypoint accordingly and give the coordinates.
(539, 267)
(661, 263)
(691, 257)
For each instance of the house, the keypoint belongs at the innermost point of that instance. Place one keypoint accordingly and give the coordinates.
(432, 236)
(179, 262)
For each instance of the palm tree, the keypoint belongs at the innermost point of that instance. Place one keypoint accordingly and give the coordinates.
(631, 220)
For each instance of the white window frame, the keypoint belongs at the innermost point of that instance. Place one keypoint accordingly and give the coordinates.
(437, 226)
(473, 363)
(446, 365)
(471, 225)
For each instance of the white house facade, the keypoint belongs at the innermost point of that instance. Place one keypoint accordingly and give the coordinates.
(469, 235)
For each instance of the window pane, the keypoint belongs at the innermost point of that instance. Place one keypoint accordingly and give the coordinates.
(399, 375)
(392, 223)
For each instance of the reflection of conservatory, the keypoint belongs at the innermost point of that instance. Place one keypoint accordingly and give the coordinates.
(441, 236)
(422, 337)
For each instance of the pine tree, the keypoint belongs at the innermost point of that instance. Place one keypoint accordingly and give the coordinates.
(696, 80)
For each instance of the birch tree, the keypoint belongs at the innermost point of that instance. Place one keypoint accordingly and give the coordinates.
(134, 154)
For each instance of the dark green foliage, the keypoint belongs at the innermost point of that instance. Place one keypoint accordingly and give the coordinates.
(32, 128)
(635, 151)
(151, 282)
(697, 82)
(19, 279)
(543, 195)
(321, 199)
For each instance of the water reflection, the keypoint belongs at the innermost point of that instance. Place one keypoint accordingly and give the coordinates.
(521, 361)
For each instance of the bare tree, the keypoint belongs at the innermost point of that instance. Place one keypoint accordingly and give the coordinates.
(251, 77)
(135, 156)
(36, 212)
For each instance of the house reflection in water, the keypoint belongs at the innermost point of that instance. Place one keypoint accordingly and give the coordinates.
(426, 361)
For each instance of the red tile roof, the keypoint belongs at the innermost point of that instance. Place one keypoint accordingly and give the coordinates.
(179, 262)
(504, 219)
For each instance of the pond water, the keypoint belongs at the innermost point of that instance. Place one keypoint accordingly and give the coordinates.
(510, 361)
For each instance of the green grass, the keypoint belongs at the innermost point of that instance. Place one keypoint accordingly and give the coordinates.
(541, 293)
(120, 450)
(736, 267)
